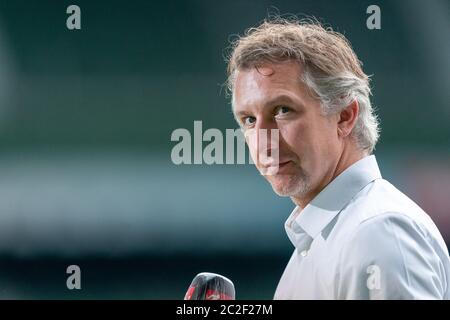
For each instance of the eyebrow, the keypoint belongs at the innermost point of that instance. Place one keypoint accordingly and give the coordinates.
(275, 101)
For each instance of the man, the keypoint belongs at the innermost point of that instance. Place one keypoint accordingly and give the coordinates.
(355, 235)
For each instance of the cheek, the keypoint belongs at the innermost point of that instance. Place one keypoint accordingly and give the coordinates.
(323, 148)
(313, 143)
(297, 137)
(252, 143)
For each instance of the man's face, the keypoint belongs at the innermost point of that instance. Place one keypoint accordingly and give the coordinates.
(272, 96)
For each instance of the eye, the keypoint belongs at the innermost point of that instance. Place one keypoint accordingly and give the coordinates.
(281, 110)
(248, 120)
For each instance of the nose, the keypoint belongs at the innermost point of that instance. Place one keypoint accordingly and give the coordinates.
(263, 141)
(267, 137)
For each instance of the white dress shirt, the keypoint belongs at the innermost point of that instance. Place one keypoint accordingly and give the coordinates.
(361, 238)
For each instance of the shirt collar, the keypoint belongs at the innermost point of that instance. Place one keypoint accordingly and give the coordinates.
(304, 225)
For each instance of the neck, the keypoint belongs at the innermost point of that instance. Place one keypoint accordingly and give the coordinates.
(348, 157)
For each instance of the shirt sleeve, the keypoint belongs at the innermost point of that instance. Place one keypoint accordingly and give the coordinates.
(390, 257)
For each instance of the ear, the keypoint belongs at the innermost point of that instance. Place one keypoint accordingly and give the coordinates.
(347, 119)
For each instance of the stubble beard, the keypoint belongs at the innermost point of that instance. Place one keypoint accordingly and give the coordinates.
(291, 185)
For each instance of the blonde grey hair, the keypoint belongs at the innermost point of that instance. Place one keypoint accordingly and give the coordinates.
(331, 68)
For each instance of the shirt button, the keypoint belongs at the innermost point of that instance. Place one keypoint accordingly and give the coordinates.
(304, 253)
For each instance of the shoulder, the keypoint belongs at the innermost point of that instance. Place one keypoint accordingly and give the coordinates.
(384, 236)
(385, 229)
(403, 252)
(380, 204)
(381, 197)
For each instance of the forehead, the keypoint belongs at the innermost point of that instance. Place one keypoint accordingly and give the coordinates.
(255, 86)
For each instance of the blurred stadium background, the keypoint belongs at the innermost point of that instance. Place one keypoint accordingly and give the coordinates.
(85, 122)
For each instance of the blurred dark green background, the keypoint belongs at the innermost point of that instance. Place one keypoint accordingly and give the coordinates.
(86, 117)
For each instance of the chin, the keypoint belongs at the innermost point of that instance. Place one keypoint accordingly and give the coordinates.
(290, 185)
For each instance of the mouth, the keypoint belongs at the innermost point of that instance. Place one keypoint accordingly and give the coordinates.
(279, 165)
(283, 164)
